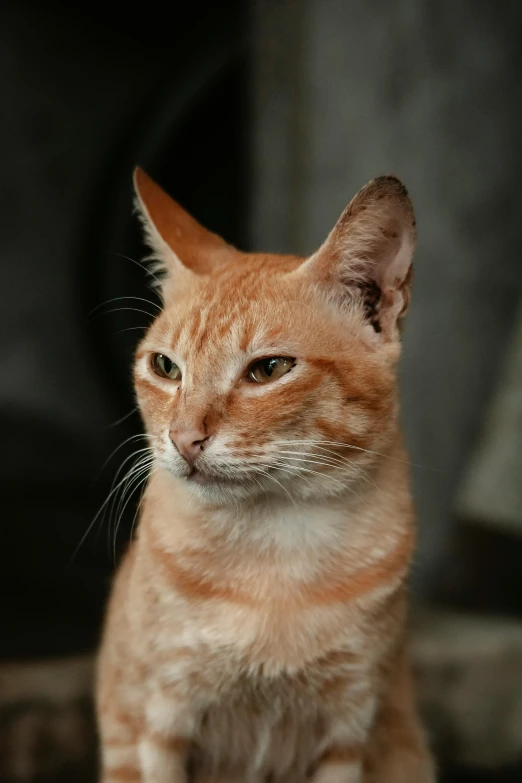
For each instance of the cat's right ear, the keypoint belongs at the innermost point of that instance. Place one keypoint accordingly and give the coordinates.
(181, 247)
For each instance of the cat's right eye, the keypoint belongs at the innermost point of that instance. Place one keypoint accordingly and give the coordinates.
(165, 367)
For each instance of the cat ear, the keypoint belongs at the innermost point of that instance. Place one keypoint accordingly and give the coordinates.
(180, 246)
(368, 255)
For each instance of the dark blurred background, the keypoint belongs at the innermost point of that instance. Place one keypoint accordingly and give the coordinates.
(262, 118)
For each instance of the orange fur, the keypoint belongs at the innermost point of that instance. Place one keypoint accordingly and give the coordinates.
(256, 627)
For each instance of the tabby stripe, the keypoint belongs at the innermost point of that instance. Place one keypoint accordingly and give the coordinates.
(341, 754)
(126, 772)
(168, 743)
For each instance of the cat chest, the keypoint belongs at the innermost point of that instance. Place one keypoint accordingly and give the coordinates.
(256, 728)
(258, 734)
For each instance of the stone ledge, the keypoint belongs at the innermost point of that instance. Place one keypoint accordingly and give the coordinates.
(469, 674)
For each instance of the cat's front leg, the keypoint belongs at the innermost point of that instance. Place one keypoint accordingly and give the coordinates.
(119, 735)
(342, 760)
(398, 751)
(166, 739)
(342, 756)
(340, 765)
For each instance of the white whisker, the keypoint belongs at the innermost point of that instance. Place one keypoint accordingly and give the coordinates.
(119, 309)
(123, 418)
(138, 506)
(110, 497)
(139, 476)
(145, 268)
(296, 442)
(119, 298)
(268, 475)
(337, 462)
(118, 504)
(111, 455)
(280, 464)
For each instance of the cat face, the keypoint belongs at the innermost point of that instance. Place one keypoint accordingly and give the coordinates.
(273, 375)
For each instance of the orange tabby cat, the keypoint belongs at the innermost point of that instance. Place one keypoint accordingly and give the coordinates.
(256, 628)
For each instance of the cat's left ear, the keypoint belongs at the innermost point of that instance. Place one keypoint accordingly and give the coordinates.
(367, 257)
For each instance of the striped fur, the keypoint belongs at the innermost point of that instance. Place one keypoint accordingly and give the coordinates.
(256, 627)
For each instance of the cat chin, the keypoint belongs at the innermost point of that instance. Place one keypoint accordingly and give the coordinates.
(228, 493)
(225, 493)
(217, 489)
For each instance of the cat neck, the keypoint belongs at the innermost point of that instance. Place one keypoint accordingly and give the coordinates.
(282, 525)
(284, 554)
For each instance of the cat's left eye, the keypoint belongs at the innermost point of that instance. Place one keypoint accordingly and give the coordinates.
(165, 367)
(270, 369)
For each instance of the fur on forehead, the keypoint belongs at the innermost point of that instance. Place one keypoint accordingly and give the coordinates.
(277, 313)
(365, 262)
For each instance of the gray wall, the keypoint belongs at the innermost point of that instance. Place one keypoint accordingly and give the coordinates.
(344, 91)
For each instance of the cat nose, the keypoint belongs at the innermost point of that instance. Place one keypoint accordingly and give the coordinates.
(189, 443)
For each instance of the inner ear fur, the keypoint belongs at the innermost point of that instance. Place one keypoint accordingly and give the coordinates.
(368, 254)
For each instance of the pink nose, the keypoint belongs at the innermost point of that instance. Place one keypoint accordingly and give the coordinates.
(189, 443)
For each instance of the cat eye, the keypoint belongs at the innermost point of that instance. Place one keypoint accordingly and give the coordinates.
(164, 367)
(267, 370)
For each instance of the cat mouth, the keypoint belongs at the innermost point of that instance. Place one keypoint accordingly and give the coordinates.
(202, 478)
(197, 477)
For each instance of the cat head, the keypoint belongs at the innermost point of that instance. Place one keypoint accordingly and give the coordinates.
(274, 374)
